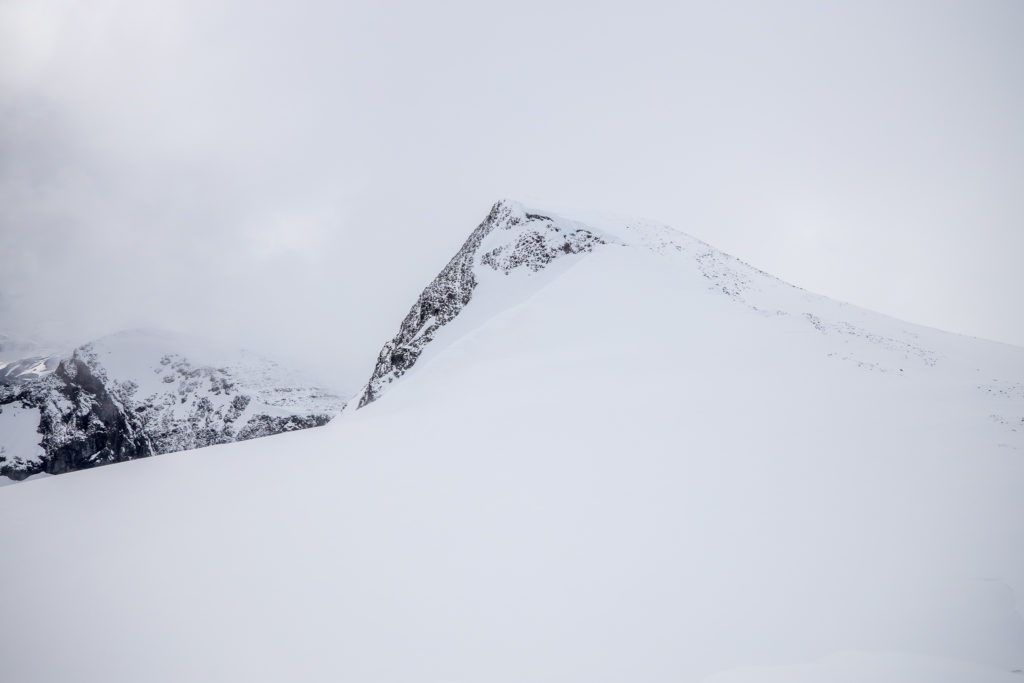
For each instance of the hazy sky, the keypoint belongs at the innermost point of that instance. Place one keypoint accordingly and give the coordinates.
(288, 175)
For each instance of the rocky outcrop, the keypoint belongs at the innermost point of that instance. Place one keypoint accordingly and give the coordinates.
(509, 238)
(90, 414)
(81, 424)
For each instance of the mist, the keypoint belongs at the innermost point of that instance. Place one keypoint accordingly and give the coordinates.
(287, 177)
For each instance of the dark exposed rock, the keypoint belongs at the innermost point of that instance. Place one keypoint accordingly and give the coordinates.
(81, 424)
(87, 418)
(534, 241)
(536, 250)
(265, 425)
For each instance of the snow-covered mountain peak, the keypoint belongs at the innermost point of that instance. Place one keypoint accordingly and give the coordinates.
(518, 249)
(510, 239)
(511, 215)
(515, 239)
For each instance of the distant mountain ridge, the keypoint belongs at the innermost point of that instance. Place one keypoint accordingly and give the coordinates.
(142, 393)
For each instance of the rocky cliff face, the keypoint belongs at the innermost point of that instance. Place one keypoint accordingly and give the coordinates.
(509, 238)
(130, 396)
(79, 423)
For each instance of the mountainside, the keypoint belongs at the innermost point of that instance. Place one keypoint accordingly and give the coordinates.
(512, 238)
(509, 238)
(594, 451)
(137, 394)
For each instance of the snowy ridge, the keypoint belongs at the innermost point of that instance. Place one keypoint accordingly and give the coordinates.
(510, 238)
(515, 239)
(142, 393)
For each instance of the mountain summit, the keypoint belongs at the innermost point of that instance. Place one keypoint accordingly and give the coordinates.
(514, 240)
(509, 238)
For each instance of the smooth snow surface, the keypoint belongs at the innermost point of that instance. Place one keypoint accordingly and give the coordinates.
(645, 463)
(19, 426)
(7, 481)
(859, 667)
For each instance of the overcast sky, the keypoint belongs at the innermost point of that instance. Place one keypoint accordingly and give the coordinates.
(288, 175)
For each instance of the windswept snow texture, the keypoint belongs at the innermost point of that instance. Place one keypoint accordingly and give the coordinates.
(646, 462)
(142, 393)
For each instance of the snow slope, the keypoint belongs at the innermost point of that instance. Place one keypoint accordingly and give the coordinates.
(18, 425)
(643, 462)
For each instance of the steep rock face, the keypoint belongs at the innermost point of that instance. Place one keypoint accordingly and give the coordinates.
(80, 423)
(127, 396)
(509, 238)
